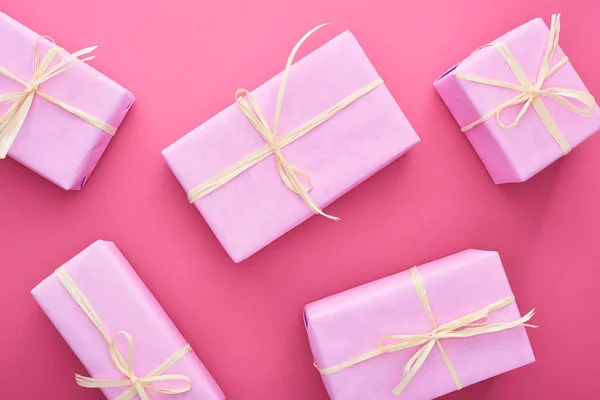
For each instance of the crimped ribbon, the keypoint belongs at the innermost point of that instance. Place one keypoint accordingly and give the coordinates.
(290, 174)
(137, 386)
(531, 94)
(474, 324)
(45, 68)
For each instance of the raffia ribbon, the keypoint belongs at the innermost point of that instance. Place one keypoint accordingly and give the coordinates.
(474, 324)
(531, 94)
(45, 68)
(137, 386)
(290, 174)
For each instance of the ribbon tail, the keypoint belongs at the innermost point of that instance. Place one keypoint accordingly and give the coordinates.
(310, 202)
(287, 170)
(11, 123)
(558, 66)
(297, 187)
(47, 71)
(173, 377)
(6, 138)
(413, 366)
(284, 177)
(285, 75)
(12, 97)
(551, 47)
(94, 383)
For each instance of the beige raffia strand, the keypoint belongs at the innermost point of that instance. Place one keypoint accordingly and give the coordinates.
(474, 324)
(290, 174)
(137, 386)
(531, 94)
(45, 68)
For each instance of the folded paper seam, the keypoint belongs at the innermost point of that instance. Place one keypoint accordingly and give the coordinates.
(531, 94)
(137, 385)
(474, 324)
(45, 68)
(290, 174)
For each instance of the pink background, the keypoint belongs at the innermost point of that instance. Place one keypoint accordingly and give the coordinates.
(184, 60)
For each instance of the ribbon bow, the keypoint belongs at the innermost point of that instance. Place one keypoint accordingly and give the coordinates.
(531, 93)
(474, 324)
(290, 174)
(45, 68)
(137, 386)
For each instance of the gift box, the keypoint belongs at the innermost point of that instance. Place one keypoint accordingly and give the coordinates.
(68, 110)
(339, 125)
(104, 312)
(420, 333)
(520, 102)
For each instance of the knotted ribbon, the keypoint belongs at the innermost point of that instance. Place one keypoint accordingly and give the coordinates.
(531, 94)
(45, 68)
(290, 174)
(474, 324)
(137, 386)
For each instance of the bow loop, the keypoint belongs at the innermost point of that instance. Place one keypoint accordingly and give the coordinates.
(293, 178)
(45, 67)
(473, 324)
(135, 385)
(524, 97)
(290, 174)
(531, 94)
(560, 95)
(250, 108)
(124, 366)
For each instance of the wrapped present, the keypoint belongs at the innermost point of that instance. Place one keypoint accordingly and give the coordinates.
(57, 114)
(520, 102)
(421, 333)
(105, 312)
(283, 152)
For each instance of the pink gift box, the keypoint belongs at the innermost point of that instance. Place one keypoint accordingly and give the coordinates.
(256, 208)
(349, 324)
(123, 303)
(56, 144)
(518, 154)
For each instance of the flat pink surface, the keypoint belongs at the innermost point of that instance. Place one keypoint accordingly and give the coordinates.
(183, 60)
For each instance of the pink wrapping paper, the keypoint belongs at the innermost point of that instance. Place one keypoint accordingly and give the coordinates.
(514, 155)
(123, 303)
(52, 142)
(351, 323)
(256, 208)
